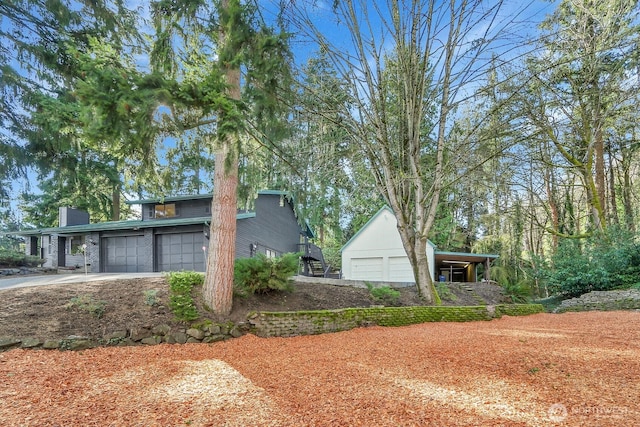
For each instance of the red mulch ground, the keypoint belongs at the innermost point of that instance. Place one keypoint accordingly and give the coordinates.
(571, 369)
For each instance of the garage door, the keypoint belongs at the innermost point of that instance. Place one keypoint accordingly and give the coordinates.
(400, 269)
(366, 268)
(180, 251)
(124, 254)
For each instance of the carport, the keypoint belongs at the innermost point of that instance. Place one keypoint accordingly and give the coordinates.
(462, 267)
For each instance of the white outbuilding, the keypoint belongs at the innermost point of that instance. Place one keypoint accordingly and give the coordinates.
(375, 253)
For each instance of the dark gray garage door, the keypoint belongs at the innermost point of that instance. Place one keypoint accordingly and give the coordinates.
(180, 251)
(124, 254)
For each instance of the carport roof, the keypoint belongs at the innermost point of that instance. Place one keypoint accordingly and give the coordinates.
(463, 256)
(125, 225)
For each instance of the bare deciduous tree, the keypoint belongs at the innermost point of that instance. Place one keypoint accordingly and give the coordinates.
(408, 65)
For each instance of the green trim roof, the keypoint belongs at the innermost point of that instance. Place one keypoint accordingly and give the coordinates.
(126, 225)
(169, 199)
(152, 223)
(470, 254)
(179, 198)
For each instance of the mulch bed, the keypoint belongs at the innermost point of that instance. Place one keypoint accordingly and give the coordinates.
(569, 369)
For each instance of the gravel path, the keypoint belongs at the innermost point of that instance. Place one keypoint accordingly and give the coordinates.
(570, 369)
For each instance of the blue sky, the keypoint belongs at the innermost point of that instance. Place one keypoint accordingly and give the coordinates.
(526, 17)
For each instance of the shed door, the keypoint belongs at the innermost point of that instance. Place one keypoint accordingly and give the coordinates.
(180, 251)
(400, 269)
(124, 254)
(366, 268)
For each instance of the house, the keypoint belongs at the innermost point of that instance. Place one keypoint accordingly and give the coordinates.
(376, 253)
(172, 235)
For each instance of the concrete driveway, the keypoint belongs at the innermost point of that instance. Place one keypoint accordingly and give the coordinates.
(57, 279)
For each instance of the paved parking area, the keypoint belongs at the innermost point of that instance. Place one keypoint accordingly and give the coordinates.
(56, 279)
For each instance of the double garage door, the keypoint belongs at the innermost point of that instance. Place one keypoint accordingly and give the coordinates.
(173, 252)
(392, 269)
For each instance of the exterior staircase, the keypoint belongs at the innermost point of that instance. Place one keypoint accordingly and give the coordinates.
(313, 263)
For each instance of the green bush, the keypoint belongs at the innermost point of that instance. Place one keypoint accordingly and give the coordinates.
(262, 275)
(150, 297)
(600, 263)
(444, 292)
(181, 302)
(383, 294)
(519, 292)
(9, 258)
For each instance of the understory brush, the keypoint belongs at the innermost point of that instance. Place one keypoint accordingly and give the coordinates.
(262, 275)
(181, 284)
(383, 294)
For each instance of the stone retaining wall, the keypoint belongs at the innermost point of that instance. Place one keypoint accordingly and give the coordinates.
(281, 324)
(205, 333)
(287, 324)
(626, 299)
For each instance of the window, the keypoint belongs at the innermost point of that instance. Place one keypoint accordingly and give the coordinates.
(270, 253)
(75, 245)
(165, 211)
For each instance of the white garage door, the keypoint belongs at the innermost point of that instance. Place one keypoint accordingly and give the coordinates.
(366, 268)
(123, 254)
(400, 269)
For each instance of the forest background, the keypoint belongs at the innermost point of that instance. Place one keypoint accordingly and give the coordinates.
(524, 142)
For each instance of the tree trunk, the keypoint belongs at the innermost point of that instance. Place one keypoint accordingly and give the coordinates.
(627, 200)
(426, 287)
(553, 207)
(416, 249)
(218, 285)
(600, 186)
(615, 217)
(115, 208)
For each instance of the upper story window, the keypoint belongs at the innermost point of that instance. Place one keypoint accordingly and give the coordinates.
(167, 210)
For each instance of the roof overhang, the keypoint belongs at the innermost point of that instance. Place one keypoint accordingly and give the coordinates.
(131, 225)
(178, 198)
(443, 257)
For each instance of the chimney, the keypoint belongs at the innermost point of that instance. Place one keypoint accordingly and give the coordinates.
(72, 216)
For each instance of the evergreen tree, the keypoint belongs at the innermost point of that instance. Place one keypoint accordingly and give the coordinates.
(217, 71)
(39, 115)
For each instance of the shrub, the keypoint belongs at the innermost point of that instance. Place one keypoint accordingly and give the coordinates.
(181, 302)
(600, 263)
(383, 294)
(519, 292)
(262, 275)
(9, 258)
(150, 297)
(444, 292)
(89, 304)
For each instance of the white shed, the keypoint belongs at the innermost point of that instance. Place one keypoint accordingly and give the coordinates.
(376, 253)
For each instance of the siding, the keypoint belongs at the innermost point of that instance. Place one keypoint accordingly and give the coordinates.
(186, 208)
(274, 227)
(380, 239)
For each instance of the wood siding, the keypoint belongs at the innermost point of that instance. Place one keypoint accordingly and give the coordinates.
(274, 228)
(185, 209)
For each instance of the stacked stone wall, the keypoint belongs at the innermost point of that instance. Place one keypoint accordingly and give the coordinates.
(287, 324)
(625, 299)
